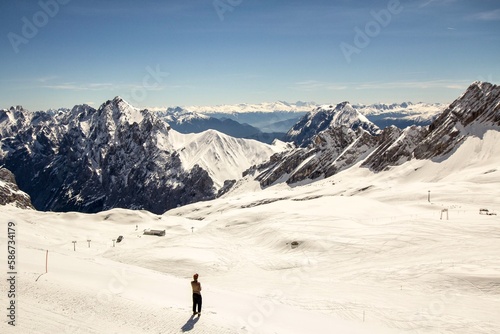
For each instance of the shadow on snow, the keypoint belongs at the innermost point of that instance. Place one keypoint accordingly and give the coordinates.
(189, 325)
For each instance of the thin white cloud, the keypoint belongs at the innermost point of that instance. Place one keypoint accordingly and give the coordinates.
(492, 15)
(65, 86)
(434, 2)
(310, 85)
(101, 86)
(449, 84)
(47, 78)
(314, 85)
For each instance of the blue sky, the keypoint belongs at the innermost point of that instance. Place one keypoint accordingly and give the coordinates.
(58, 53)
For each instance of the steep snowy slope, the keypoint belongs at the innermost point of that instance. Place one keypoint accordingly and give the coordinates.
(476, 111)
(12, 120)
(223, 156)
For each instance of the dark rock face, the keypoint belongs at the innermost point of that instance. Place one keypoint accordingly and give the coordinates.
(90, 160)
(331, 151)
(394, 147)
(335, 144)
(477, 110)
(281, 165)
(228, 184)
(10, 193)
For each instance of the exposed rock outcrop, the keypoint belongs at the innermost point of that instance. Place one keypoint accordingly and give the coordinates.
(477, 110)
(10, 193)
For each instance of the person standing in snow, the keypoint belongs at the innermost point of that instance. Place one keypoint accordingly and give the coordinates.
(196, 286)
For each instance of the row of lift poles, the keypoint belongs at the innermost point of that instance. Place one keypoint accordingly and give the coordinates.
(88, 241)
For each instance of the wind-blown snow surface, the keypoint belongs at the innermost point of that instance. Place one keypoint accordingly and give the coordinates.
(370, 247)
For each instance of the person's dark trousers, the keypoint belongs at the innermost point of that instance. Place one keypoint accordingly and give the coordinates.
(196, 302)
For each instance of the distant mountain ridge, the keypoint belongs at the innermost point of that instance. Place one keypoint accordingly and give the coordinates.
(185, 121)
(401, 115)
(423, 109)
(265, 107)
(268, 121)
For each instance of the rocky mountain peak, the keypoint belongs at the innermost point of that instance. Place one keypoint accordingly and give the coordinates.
(11, 120)
(328, 117)
(119, 111)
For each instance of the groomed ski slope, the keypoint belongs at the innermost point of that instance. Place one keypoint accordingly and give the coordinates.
(373, 256)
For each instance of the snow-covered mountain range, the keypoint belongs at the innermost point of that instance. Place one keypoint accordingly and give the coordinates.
(268, 121)
(401, 115)
(266, 107)
(87, 159)
(425, 110)
(262, 121)
(91, 159)
(339, 145)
